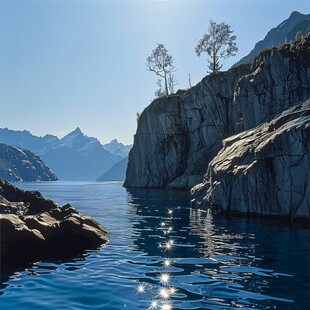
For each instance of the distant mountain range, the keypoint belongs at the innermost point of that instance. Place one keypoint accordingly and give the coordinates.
(17, 164)
(297, 22)
(117, 148)
(73, 157)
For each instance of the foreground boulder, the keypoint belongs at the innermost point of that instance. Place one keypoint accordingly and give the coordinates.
(264, 171)
(32, 227)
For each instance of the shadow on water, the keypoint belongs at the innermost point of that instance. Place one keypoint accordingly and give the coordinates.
(45, 264)
(223, 262)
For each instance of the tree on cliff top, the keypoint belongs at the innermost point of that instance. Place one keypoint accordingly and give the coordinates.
(217, 43)
(161, 63)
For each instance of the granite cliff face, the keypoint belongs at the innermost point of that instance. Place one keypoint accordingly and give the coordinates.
(264, 170)
(17, 165)
(178, 136)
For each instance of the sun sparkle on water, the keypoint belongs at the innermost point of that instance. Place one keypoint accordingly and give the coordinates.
(164, 278)
(172, 290)
(169, 244)
(164, 293)
(166, 307)
(154, 304)
(167, 262)
(141, 289)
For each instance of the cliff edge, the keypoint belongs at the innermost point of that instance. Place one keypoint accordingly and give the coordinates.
(179, 135)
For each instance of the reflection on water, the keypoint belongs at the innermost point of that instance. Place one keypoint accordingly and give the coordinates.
(215, 266)
(164, 255)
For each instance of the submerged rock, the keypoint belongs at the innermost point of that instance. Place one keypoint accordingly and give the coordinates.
(265, 170)
(33, 227)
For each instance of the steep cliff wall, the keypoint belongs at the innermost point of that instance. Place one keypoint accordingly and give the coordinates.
(178, 136)
(265, 170)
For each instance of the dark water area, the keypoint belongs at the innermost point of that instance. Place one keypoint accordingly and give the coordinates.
(164, 255)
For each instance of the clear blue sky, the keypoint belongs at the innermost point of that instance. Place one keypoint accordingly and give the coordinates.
(69, 63)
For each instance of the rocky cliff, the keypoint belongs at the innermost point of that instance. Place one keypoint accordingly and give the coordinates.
(264, 170)
(17, 164)
(178, 136)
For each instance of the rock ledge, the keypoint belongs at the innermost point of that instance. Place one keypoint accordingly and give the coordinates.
(32, 227)
(264, 170)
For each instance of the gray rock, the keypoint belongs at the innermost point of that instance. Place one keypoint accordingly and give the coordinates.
(32, 227)
(178, 136)
(264, 171)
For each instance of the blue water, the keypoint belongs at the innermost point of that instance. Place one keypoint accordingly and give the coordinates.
(215, 262)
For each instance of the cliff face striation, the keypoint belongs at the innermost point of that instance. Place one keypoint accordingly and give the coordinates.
(178, 136)
(265, 170)
(18, 165)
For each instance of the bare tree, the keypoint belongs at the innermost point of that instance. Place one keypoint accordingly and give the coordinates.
(161, 63)
(217, 43)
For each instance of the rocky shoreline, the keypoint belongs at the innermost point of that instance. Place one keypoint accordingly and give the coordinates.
(33, 227)
(239, 139)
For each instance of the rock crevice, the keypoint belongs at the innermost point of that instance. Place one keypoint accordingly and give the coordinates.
(264, 171)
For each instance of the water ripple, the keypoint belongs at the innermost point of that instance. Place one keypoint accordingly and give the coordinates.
(164, 255)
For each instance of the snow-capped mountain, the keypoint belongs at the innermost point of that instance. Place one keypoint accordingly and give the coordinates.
(297, 22)
(74, 157)
(118, 148)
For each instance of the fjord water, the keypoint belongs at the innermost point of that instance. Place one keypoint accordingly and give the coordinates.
(216, 262)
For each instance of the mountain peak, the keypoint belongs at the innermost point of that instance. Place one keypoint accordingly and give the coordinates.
(117, 148)
(77, 130)
(295, 13)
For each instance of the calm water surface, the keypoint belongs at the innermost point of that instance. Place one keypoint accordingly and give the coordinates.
(211, 262)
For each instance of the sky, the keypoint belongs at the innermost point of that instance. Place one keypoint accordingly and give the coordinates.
(82, 63)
